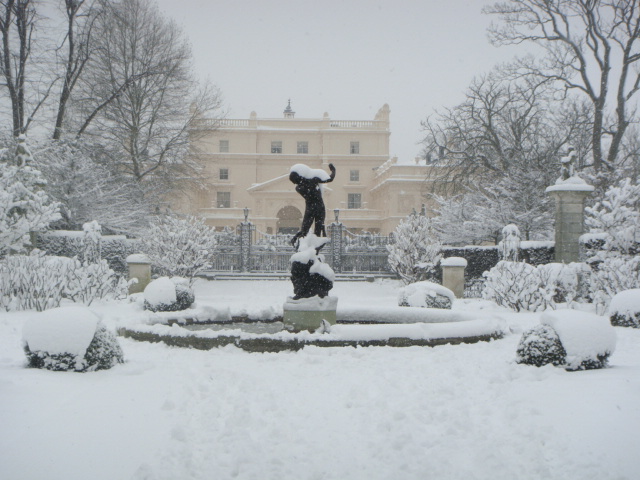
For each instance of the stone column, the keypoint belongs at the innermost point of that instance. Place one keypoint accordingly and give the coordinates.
(453, 274)
(569, 222)
(140, 269)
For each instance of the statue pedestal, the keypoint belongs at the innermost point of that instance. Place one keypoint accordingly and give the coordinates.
(308, 313)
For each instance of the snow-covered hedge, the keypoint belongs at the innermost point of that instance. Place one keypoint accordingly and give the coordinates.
(520, 286)
(38, 282)
(569, 338)
(70, 339)
(168, 295)
(64, 243)
(624, 309)
(425, 295)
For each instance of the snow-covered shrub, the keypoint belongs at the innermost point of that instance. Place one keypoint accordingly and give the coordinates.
(624, 309)
(180, 247)
(520, 286)
(572, 339)
(513, 285)
(613, 275)
(24, 206)
(33, 282)
(425, 295)
(39, 282)
(540, 346)
(168, 295)
(70, 339)
(416, 251)
(87, 282)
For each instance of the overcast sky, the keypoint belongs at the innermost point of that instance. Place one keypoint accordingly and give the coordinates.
(344, 57)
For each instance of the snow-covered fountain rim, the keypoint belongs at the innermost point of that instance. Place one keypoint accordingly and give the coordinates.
(469, 330)
(364, 315)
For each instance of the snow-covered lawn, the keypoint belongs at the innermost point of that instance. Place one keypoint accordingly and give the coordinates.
(449, 412)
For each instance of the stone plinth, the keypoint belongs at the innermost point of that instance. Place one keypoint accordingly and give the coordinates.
(453, 274)
(308, 313)
(140, 269)
(569, 222)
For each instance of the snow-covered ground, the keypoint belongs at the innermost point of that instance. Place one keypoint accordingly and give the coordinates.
(449, 412)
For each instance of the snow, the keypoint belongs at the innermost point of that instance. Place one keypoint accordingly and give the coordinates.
(138, 258)
(60, 330)
(453, 262)
(310, 173)
(324, 270)
(161, 291)
(583, 335)
(627, 302)
(450, 412)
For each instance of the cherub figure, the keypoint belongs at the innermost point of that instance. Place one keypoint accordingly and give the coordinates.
(307, 181)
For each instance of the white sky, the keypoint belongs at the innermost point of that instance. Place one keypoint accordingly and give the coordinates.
(344, 57)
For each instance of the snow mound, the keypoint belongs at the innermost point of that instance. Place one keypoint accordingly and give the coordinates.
(624, 309)
(425, 295)
(161, 291)
(453, 262)
(61, 330)
(587, 338)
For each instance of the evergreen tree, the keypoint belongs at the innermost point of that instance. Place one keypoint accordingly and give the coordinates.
(416, 250)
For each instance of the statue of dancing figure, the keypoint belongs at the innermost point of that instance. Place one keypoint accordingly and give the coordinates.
(307, 181)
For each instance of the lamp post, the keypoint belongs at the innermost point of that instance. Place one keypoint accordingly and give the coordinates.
(246, 214)
(336, 212)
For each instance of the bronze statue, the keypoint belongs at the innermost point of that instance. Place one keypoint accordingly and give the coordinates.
(307, 183)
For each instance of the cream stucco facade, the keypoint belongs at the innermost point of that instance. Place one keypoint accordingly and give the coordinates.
(247, 164)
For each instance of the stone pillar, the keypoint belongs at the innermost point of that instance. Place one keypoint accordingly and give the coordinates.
(336, 245)
(569, 222)
(140, 269)
(453, 274)
(246, 233)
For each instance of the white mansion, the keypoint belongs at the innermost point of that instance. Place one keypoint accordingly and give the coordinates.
(247, 162)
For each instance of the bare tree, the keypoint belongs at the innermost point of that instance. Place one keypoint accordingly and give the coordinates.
(80, 16)
(497, 151)
(140, 93)
(593, 47)
(18, 22)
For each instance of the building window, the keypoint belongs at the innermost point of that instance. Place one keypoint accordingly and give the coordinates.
(223, 200)
(354, 200)
(355, 148)
(354, 175)
(303, 147)
(276, 147)
(224, 146)
(224, 174)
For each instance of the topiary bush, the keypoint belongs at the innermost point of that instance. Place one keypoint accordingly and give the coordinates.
(624, 309)
(168, 295)
(425, 295)
(571, 339)
(540, 346)
(70, 339)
